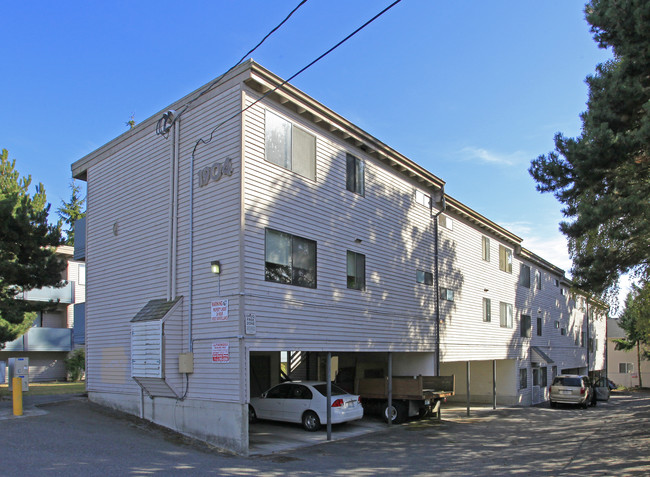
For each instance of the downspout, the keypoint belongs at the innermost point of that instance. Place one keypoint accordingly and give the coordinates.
(435, 269)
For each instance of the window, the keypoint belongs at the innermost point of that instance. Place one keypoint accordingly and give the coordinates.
(356, 271)
(290, 259)
(487, 309)
(446, 222)
(557, 324)
(625, 368)
(592, 345)
(538, 279)
(82, 274)
(524, 275)
(539, 326)
(505, 259)
(563, 331)
(447, 294)
(424, 277)
(523, 378)
(525, 326)
(422, 198)
(505, 315)
(355, 181)
(486, 249)
(562, 291)
(289, 146)
(582, 339)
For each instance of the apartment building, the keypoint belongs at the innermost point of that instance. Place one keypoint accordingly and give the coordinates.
(247, 219)
(53, 333)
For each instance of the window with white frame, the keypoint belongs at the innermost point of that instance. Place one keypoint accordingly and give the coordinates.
(524, 275)
(485, 252)
(447, 294)
(487, 310)
(289, 146)
(538, 279)
(625, 368)
(82, 274)
(356, 270)
(289, 259)
(422, 198)
(505, 259)
(557, 283)
(423, 277)
(523, 378)
(446, 222)
(355, 180)
(505, 315)
(539, 325)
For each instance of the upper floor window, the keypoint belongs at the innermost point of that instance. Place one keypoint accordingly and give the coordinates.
(505, 315)
(422, 198)
(289, 146)
(557, 283)
(447, 294)
(524, 275)
(290, 259)
(424, 277)
(356, 264)
(505, 259)
(355, 175)
(525, 326)
(446, 222)
(82, 274)
(486, 248)
(487, 309)
(539, 326)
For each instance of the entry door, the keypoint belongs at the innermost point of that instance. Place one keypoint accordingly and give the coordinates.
(537, 392)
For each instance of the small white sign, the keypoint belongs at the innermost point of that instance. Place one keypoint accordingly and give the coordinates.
(220, 352)
(219, 310)
(251, 328)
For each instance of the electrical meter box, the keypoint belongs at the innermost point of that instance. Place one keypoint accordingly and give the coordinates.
(19, 368)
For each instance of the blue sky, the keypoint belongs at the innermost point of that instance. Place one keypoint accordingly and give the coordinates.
(471, 90)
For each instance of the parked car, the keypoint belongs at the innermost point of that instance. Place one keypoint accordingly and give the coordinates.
(572, 389)
(305, 403)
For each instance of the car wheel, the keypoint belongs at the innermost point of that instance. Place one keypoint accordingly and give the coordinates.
(553, 404)
(310, 421)
(252, 416)
(585, 405)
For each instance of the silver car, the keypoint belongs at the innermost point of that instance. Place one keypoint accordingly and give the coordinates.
(572, 389)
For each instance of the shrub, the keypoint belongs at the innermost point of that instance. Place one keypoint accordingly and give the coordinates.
(75, 364)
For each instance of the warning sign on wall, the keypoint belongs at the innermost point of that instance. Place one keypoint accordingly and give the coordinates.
(220, 352)
(219, 310)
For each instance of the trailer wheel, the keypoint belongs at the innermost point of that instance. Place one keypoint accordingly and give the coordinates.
(397, 413)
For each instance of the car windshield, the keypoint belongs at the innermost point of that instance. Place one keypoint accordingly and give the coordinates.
(565, 381)
(322, 388)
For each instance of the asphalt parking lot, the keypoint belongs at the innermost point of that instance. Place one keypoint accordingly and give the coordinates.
(75, 437)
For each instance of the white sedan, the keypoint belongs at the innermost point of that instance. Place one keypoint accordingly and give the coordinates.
(305, 402)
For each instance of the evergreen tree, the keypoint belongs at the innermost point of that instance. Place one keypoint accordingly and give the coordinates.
(27, 249)
(635, 321)
(603, 177)
(69, 212)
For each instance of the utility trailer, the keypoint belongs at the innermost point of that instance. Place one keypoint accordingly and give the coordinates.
(411, 395)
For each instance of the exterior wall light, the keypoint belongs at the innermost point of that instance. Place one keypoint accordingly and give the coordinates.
(216, 267)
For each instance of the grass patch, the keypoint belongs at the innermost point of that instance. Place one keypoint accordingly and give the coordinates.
(43, 389)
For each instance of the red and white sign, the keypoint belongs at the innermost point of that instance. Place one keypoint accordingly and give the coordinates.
(219, 310)
(220, 352)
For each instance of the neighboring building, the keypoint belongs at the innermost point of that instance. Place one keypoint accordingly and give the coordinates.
(51, 337)
(289, 229)
(623, 366)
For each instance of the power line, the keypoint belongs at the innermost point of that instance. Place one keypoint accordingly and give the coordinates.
(164, 124)
(302, 70)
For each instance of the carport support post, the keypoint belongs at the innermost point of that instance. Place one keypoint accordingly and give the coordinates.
(494, 384)
(390, 389)
(328, 374)
(468, 395)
